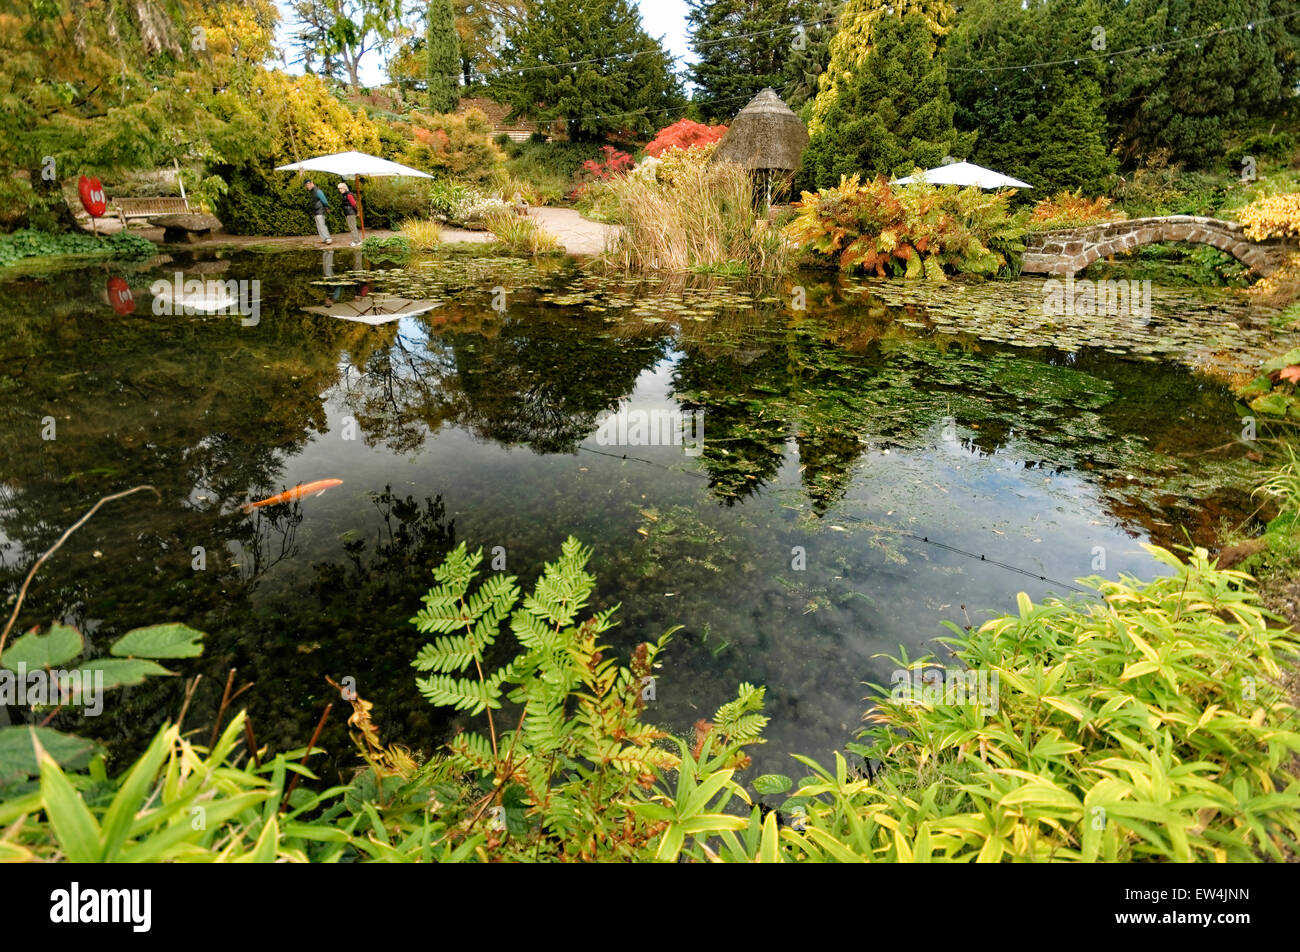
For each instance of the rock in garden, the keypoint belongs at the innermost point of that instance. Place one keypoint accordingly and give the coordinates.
(185, 228)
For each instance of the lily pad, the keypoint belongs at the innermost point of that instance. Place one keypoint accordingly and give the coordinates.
(58, 646)
(160, 641)
(18, 756)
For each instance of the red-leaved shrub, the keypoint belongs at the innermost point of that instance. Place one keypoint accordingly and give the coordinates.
(615, 163)
(682, 135)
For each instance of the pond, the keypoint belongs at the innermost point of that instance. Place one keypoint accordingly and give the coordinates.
(863, 461)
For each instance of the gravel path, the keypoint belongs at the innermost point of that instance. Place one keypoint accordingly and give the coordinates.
(578, 235)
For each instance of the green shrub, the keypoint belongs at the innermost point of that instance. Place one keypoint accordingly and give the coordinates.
(550, 167)
(32, 244)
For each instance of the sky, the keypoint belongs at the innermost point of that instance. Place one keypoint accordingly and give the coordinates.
(664, 19)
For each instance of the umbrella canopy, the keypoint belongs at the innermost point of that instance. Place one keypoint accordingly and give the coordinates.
(355, 164)
(352, 163)
(764, 136)
(374, 308)
(963, 174)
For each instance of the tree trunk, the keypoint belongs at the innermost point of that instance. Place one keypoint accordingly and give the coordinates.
(51, 211)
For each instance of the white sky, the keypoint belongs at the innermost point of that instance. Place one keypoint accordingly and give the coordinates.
(661, 18)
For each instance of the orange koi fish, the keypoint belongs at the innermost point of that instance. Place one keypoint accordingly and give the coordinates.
(298, 492)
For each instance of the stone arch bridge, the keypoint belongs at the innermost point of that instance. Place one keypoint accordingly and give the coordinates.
(1070, 250)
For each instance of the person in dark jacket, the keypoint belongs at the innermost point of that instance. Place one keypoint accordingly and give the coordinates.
(319, 206)
(350, 211)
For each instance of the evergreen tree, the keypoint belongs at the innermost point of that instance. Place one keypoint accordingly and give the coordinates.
(1182, 100)
(442, 48)
(1046, 125)
(743, 46)
(809, 57)
(855, 38)
(590, 63)
(894, 113)
(1071, 144)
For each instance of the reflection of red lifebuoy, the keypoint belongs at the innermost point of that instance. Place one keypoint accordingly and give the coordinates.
(119, 295)
(91, 191)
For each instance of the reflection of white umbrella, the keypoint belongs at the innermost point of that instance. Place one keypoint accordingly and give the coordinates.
(963, 174)
(374, 309)
(355, 164)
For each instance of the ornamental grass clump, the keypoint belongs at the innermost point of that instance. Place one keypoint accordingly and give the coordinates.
(521, 236)
(424, 234)
(702, 220)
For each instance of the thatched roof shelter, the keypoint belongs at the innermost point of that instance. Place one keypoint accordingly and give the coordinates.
(764, 137)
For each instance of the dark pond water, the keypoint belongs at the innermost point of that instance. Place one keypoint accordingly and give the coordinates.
(866, 470)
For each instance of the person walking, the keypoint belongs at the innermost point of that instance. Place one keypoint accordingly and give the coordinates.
(319, 206)
(350, 211)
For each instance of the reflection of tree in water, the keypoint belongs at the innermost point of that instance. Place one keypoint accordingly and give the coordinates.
(399, 388)
(206, 410)
(544, 381)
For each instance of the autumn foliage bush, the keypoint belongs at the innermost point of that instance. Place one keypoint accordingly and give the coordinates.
(683, 134)
(1071, 210)
(457, 145)
(612, 164)
(1274, 216)
(917, 231)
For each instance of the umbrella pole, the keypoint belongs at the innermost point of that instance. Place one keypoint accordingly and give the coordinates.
(361, 215)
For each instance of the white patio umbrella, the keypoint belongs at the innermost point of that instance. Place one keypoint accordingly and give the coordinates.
(355, 164)
(963, 174)
(374, 309)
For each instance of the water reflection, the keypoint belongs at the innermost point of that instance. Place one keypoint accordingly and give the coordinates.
(840, 430)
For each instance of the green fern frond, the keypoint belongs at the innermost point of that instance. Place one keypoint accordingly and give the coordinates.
(564, 587)
(447, 654)
(463, 694)
(532, 630)
(472, 751)
(737, 721)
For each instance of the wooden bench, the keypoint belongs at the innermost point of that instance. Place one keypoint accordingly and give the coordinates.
(128, 208)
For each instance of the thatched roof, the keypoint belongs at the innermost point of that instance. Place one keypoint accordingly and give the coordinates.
(764, 135)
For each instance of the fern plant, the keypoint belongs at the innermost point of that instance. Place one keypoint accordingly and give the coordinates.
(578, 775)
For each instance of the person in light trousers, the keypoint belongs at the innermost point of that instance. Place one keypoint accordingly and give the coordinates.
(350, 211)
(319, 206)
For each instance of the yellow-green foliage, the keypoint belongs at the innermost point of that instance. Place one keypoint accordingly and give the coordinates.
(457, 145)
(850, 45)
(1273, 216)
(294, 117)
(152, 811)
(703, 220)
(1148, 726)
(424, 233)
(678, 164)
(520, 235)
